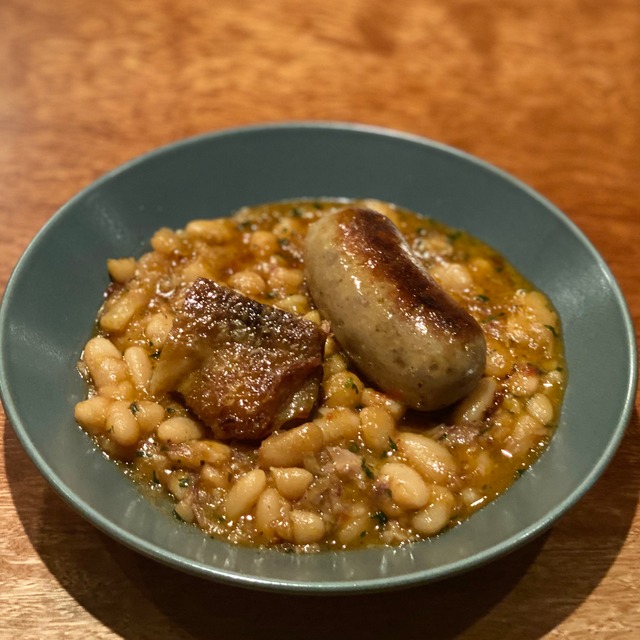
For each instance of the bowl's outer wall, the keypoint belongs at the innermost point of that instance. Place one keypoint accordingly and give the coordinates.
(52, 298)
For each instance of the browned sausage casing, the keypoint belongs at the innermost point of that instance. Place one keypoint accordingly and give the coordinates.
(399, 327)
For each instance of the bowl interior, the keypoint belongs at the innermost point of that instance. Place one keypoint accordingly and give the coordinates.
(51, 300)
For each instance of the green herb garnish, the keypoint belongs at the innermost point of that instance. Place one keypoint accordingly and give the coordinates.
(381, 517)
(552, 329)
(367, 469)
(178, 516)
(350, 384)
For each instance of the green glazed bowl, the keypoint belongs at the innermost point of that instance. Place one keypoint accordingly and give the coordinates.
(53, 295)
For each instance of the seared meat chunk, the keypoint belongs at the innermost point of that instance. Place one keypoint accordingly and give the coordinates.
(244, 368)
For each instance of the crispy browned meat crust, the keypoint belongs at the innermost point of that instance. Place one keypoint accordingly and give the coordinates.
(244, 368)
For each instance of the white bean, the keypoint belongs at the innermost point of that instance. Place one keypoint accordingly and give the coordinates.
(286, 280)
(475, 405)
(540, 407)
(98, 348)
(213, 477)
(179, 429)
(339, 424)
(527, 426)
(166, 241)
(431, 459)
(120, 312)
(523, 383)
(157, 328)
(435, 516)
(291, 482)
(91, 414)
(408, 489)
(263, 244)
(108, 372)
(139, 365)
(372, 398)
(199, 268)
(104, 362)
(122, 424)
(296, 303)
(333, 364)
(354, 526)
(121, 269)
(288, 448)
(313, 316)
(308, 527)
(452, 277)
(215, 231)
(148, 414)
(271, 513)
(249, 283)
(118, 391)
(244, 494)
(377, 428)
(343, 389)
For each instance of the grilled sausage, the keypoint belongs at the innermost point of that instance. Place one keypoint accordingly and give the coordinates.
(399, 327)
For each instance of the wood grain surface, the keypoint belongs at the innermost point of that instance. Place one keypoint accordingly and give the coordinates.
(547, 90)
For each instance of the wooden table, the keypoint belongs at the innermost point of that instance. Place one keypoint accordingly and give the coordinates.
(547, 90)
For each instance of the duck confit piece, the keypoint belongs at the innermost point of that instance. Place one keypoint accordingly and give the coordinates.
(244, 368)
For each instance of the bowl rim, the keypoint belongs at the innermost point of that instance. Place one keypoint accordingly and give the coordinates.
(169, 558)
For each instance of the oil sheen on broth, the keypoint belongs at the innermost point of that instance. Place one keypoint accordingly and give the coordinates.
(195, 389)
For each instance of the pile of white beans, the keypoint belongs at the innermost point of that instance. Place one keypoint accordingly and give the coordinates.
(362, 470)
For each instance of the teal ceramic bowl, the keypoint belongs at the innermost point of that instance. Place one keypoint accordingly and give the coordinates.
(51, 301)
